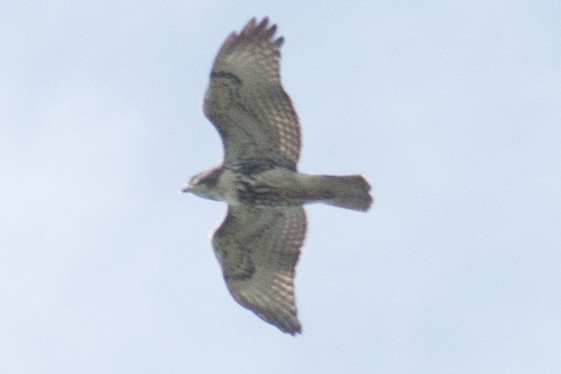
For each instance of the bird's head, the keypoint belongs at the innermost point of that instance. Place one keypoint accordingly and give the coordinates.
(204, 184)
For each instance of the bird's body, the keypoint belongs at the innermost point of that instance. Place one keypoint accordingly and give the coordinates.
(259, 242)
(279, 186)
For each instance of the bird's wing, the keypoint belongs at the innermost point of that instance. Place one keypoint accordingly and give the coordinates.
(246, 102)
(258, 249)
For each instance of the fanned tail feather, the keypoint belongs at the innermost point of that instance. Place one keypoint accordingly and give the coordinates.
(349, 192)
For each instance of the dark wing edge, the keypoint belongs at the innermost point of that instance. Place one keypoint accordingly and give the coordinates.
(255, 38)
(258, 249)
(246, 102)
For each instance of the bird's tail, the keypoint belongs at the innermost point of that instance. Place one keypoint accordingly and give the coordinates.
(349, 192)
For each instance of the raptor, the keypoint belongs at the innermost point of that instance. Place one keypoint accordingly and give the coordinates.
(259, 242)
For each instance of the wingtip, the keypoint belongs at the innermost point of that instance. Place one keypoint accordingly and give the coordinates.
(262, 27)
(296, 332)
(264, 22)
(291, 329)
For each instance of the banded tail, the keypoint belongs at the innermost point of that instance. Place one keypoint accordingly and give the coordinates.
(349, 192)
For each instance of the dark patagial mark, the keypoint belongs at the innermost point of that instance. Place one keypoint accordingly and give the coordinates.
(226, 75)
(243, 268)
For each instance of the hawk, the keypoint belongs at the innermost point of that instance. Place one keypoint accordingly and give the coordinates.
(259, 242)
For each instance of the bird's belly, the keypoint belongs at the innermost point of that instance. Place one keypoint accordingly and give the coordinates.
(227, 187)
(276, 187)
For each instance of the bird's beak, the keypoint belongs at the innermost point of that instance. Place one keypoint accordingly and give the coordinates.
(186, 188)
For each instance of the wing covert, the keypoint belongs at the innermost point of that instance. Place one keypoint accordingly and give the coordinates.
(246, 102)
(258, 249)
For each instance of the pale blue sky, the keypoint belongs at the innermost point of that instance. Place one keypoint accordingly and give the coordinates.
(452, 110)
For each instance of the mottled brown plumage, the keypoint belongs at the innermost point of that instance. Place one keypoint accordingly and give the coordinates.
(246, 102)
(258, 249)
(259, 242)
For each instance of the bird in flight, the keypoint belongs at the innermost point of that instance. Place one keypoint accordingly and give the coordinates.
(259, 242)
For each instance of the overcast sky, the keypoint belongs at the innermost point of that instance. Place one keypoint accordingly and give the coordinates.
(452, 111)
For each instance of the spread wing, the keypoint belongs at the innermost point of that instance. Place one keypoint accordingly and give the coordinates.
(246, 102)
(258, 249)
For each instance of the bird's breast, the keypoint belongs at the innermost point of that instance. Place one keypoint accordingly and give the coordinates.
(227, 186)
